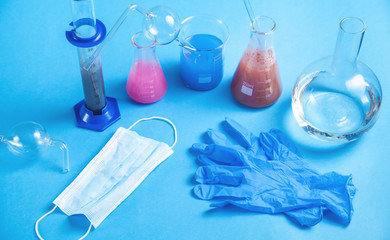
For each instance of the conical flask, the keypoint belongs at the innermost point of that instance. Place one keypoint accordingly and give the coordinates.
(337, 98)
(256, 82)
(146, 82)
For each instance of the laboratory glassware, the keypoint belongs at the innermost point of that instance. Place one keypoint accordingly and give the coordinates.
(146, 82)
(338, 98)
(96, 111)
(256, 82)
(251, 14)
(160, 23)
(30, 139)
(202, 40)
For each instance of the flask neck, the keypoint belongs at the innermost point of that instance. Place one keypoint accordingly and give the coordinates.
(261, 42)
(145, 53)
(262, 33)
(348, 44)
(144, 47)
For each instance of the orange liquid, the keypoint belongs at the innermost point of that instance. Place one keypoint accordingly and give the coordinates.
(256, 82)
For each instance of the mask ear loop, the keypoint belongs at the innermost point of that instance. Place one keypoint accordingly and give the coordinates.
(163, 119)
(49, 212)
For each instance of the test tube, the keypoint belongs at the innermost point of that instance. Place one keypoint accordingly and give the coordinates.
(84, 25)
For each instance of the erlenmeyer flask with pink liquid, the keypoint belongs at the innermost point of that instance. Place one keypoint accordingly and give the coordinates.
(146, 82)
(256, 82)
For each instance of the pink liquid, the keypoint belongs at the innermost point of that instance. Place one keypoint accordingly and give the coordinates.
(146, 82)
(256, 82)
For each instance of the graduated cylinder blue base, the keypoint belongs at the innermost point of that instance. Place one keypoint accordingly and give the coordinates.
(86, 119)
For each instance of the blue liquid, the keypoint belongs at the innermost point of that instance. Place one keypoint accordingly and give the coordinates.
(202, 69)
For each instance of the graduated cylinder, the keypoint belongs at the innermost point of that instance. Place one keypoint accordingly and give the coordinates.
(85, 28)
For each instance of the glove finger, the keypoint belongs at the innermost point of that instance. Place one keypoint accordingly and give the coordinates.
(200, 147)
(243, 136)
(306, 217)
(208, 192)
(218, 154)
(231, 176)
(283, 139)
(203, 160)
(274, 150)
(244, 204)
(227, 202)
(217, 137)
(219, 204)
(336, 191)
(270, 145)
(303, 217)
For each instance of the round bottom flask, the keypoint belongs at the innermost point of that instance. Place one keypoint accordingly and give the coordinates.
(337, 99)
(29, 139)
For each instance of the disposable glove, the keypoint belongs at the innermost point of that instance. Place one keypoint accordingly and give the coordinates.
(275, 146)
(269, 157)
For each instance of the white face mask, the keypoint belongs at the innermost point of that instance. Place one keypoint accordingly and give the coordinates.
(112, 175)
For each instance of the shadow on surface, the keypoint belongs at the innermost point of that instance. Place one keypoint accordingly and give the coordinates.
(172, 75)
(10, 162)
(117, 89)
(79, 222)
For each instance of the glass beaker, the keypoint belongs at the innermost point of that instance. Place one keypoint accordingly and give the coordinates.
(202, 40)
(146, 82)
(337, 98)
(256, 82)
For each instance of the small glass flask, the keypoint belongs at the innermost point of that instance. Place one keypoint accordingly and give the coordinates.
(146, 82)
(337, 98)
(256, 82)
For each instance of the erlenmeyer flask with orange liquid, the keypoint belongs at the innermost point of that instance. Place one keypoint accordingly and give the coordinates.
(256, 82)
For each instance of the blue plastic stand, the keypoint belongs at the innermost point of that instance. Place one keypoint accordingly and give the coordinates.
(86, 119)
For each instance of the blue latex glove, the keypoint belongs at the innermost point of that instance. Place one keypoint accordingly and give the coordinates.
(275, 146)
(250, 165)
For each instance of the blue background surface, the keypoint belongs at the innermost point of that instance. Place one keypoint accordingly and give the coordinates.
(40, 81)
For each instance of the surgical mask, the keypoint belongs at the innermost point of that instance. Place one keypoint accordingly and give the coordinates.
(112, 175)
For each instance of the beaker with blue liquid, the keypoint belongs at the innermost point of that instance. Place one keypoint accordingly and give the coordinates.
(202, 40)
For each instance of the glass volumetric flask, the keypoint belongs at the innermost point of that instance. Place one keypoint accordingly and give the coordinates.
(337, 98)
(146, 82)
(256, 82)
(29, 139)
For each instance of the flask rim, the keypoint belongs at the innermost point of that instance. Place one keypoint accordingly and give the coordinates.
(137, 44)
(348, 29)
(269, 31)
